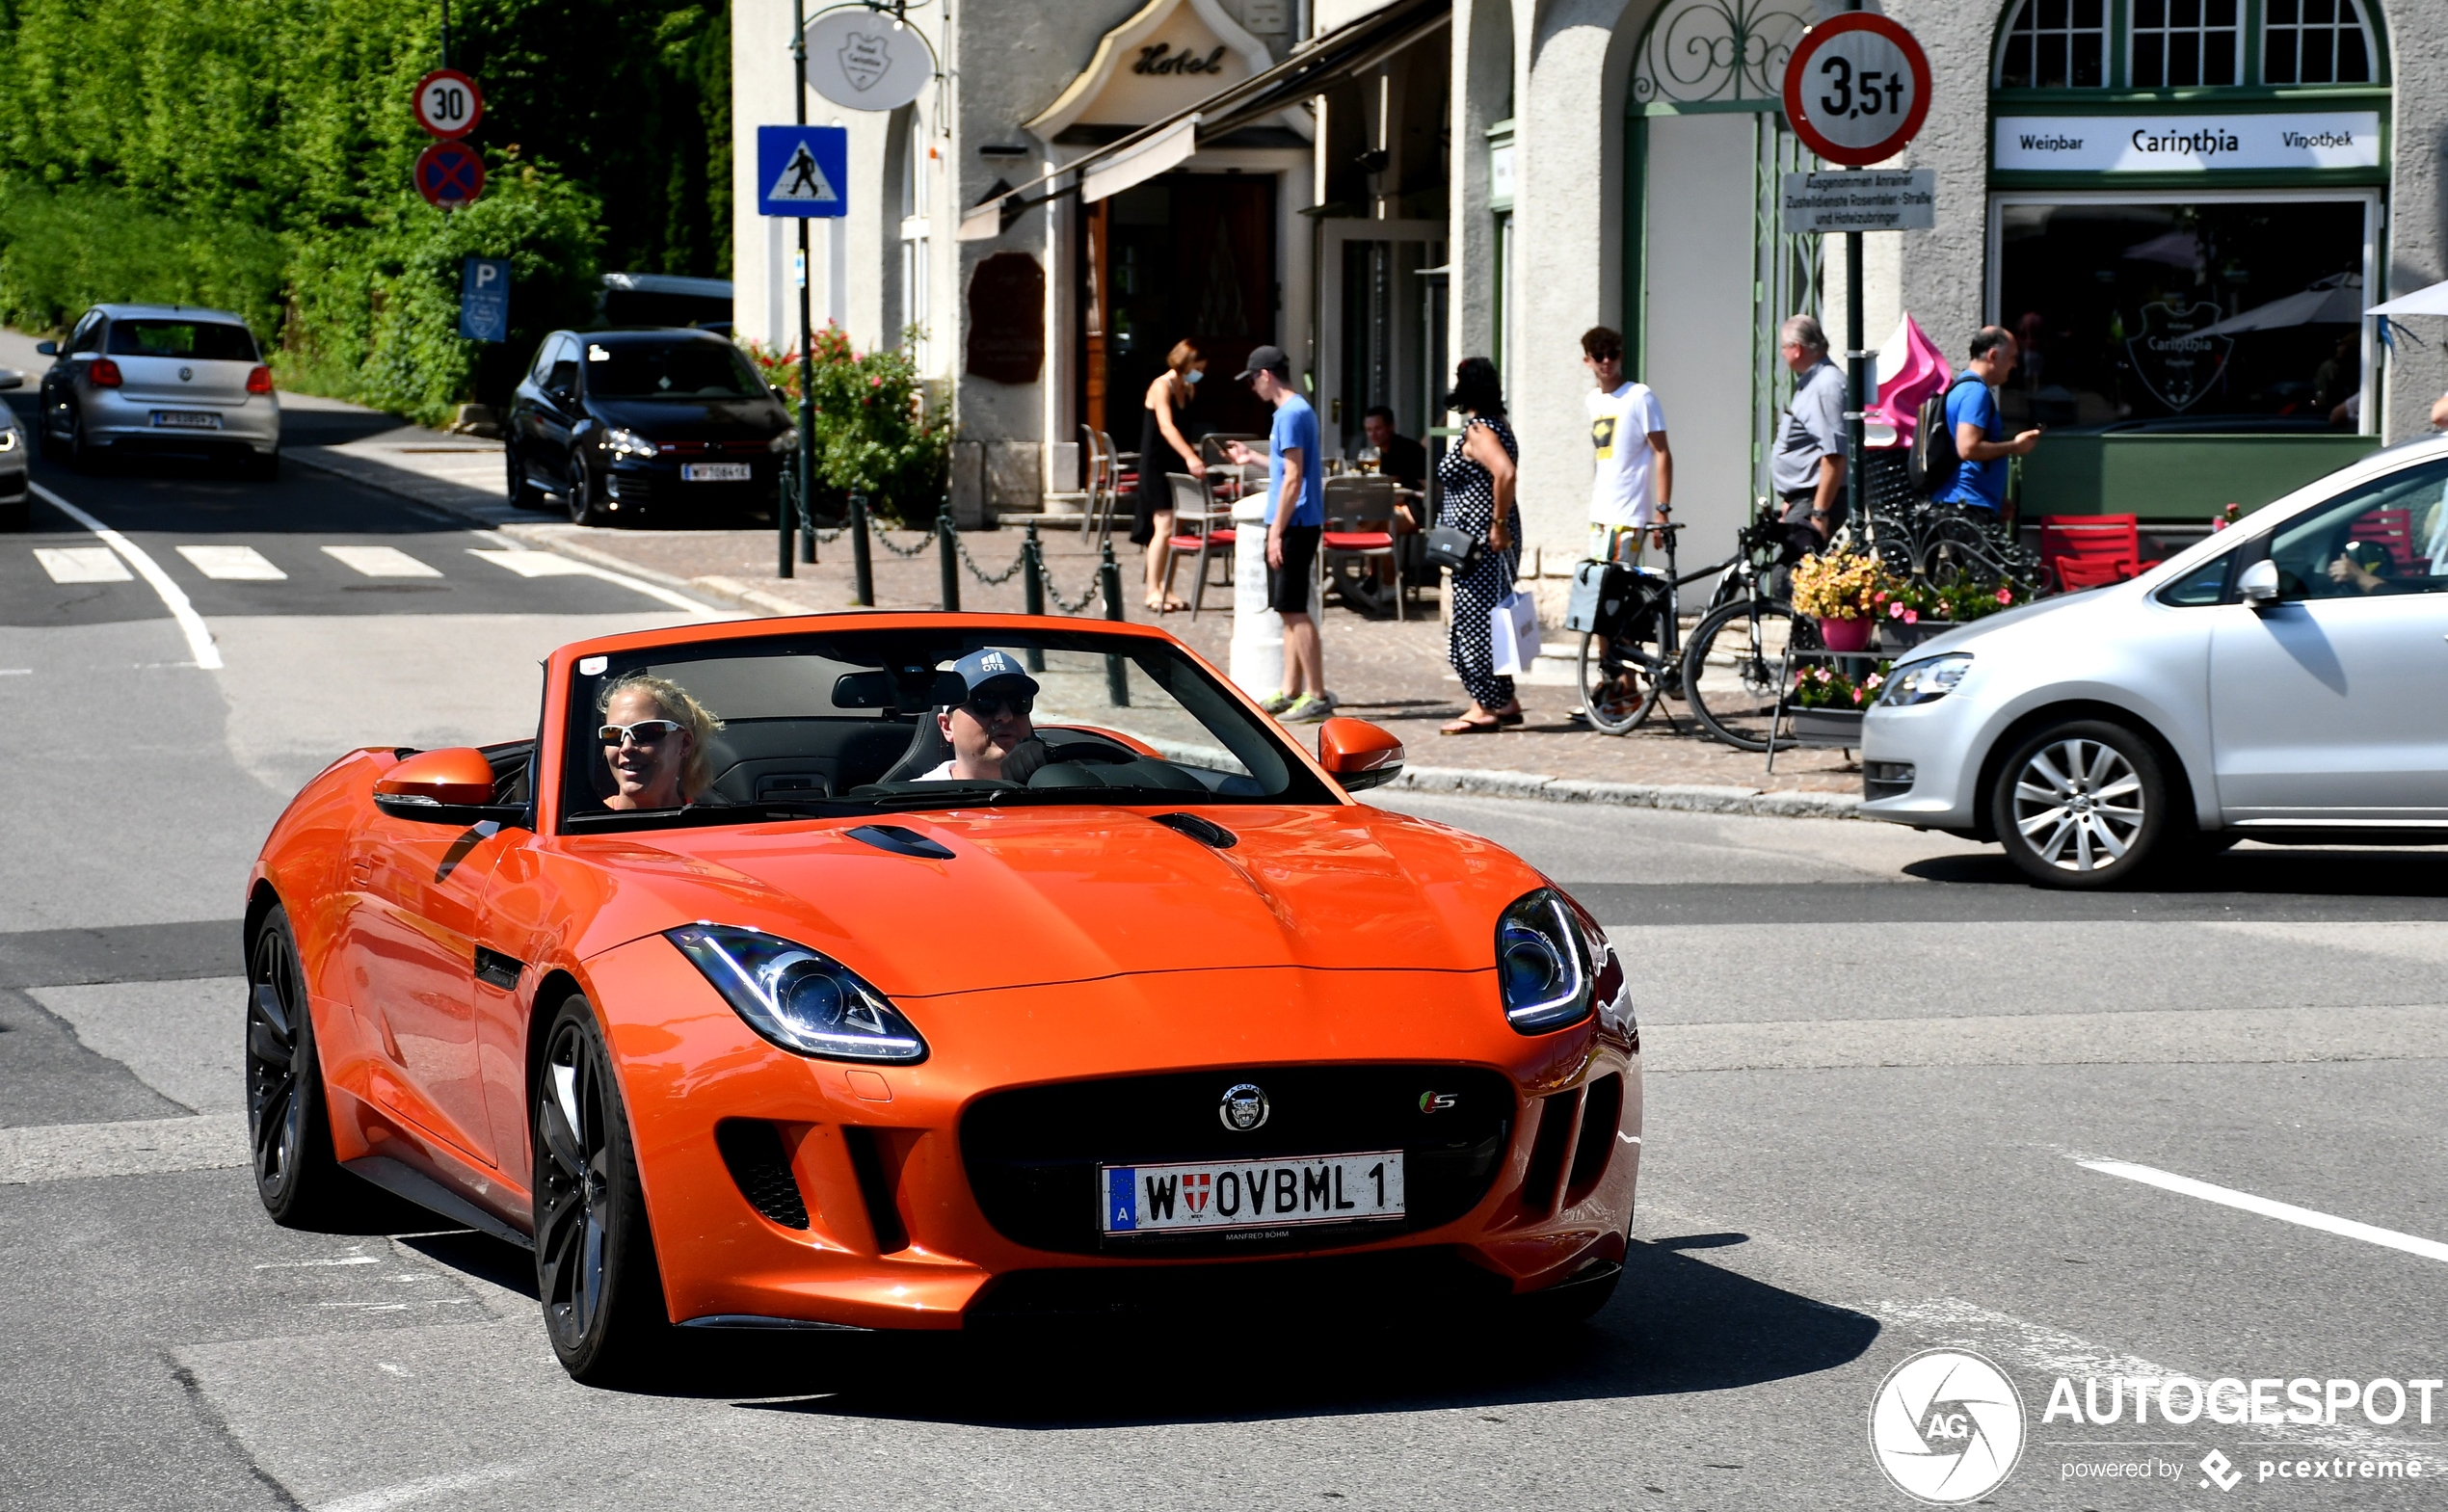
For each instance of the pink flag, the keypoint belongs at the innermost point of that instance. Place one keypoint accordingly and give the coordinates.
(1910, 369)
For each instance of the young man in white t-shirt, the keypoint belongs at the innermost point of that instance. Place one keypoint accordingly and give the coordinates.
(1634, 486)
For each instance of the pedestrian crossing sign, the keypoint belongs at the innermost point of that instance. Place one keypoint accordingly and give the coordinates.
(801, 171)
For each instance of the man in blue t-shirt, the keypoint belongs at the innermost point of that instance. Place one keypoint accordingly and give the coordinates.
(1979, 431)
(1295, 519)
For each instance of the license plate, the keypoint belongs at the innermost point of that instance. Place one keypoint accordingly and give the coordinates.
(1252, 1194)
(714, 472)
(186, 420)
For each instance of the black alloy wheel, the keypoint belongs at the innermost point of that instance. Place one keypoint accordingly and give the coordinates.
(288, 1119)
(603, 1293)
(2081, 804)
(583, 509)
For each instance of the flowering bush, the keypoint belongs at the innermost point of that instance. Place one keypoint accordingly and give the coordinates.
(1848, 586)
(1824, 687)
(872, 431)
(1915, 599)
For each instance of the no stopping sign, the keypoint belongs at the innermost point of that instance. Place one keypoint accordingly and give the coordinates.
(1856, 89)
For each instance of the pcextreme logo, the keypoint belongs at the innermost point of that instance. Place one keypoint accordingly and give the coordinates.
(1946, 1426)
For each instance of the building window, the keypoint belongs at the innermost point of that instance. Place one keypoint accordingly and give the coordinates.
(2186, 43)
(2315, 42)
(2056, 44)
(916, 157)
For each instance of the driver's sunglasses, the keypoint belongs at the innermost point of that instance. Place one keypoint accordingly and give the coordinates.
(984, 706)
(646, 731)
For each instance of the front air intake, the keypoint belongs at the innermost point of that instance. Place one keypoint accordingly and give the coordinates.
(751, 1150)
(1547, 1152)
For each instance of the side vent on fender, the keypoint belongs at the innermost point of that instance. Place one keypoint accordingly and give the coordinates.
(1547, 1152)
(876, 1187)
(1600, 1115)
(752, 1149)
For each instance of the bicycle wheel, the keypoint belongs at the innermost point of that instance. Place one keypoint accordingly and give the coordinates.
(1618, 682)
(1731, 671)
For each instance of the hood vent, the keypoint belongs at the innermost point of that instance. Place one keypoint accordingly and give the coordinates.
(900, 841)
(1205, 832)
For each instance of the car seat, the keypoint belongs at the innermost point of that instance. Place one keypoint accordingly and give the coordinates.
(927, 750)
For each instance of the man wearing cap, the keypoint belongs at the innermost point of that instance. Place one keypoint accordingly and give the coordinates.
(1295, 519)
(990, 733)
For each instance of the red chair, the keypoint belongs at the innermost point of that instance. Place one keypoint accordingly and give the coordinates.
(1199, 527)
(1360, 528)
(2392, 529)
(2080, 552)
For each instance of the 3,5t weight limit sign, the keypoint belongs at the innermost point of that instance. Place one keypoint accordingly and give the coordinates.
(1856, 89)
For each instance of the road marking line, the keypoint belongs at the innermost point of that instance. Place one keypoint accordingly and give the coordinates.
(174, 597)
(381, 562)
(233, 564)
(83, 564)
(337, 1260)
(2288, 1213)
(534, 563)
(139, 1147)
(406, 1492)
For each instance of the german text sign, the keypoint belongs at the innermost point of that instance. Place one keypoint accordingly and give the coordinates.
(484, 299)
(1856, 89)
(1870, 200)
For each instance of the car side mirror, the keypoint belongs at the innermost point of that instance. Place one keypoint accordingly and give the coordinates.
(446, 786)
(1358, 755)
(10, 378)
(2258, 584)
(47, 348)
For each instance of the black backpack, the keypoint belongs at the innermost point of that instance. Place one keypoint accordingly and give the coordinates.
(1933, 461)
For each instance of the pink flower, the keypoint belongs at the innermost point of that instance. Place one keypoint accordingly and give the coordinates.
(2218, 524)
(1912, 617)
(1895, 610)
(2006, 596)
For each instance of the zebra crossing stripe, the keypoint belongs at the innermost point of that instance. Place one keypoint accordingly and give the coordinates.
(233, 564)
(83, 564)
(379, 562)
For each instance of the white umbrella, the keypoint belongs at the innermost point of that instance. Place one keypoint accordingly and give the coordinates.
(2334, 301)
(2432, 301)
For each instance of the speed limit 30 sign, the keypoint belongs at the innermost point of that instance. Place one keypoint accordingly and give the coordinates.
(1856, 89)
(448, 104)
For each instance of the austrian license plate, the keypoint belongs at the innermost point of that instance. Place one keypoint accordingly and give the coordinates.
(186, 420)
(1252, 1194)
(713, 472)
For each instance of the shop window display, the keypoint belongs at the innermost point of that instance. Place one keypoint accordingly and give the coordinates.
(2144, 316)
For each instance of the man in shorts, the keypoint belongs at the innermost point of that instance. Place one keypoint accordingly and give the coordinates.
(1633, 488)
(1295, 519)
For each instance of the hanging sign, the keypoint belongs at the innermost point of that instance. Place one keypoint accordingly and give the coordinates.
(448, 103)
(449, 174)
(1856, 89)
(866, 60)
(801, 171)
(1893, 200)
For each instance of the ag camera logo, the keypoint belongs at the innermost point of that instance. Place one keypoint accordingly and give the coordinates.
(1946, 1426)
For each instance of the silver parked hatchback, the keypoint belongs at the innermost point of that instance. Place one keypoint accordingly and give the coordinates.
(2285, 679)
(164, 379)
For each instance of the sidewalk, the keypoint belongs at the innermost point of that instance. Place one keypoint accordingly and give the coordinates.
(1391, 673)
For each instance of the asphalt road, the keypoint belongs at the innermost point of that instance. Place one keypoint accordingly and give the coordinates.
(1877, 1066)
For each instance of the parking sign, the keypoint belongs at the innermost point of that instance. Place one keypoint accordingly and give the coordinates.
(484, 299)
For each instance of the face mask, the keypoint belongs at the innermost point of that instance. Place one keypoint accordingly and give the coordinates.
(1192, 376)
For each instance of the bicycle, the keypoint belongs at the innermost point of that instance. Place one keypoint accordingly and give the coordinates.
(1623, 674)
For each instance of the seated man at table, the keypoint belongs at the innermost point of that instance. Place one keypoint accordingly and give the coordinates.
(1399, 457)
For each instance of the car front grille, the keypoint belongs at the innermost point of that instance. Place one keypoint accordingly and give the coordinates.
(1382, 1287)
(1033, 1153)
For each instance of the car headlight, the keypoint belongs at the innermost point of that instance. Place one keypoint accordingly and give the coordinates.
(1924, 680)
(8, 439)
(799, 1000)
(1543, 970)
(626, 443)
(784, 440)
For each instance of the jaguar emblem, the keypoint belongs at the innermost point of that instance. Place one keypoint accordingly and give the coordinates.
(1244, 1107)
(186, 375)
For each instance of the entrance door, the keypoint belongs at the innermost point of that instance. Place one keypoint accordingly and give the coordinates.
(1184, 256)
(1373, 315)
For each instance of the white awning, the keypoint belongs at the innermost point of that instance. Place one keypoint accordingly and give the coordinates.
(1166, 149)
(2432, 301)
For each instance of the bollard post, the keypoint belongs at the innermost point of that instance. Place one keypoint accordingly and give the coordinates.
(947, 560)
(862, 563)
(1032, 588)
(807, 539)
(1117, 678)
(786, 516)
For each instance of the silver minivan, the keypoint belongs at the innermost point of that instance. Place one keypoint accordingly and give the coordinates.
(163, 379)
(2284, 679)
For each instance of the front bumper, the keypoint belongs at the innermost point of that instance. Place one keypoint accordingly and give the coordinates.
(1028, 1089)
(636, 488)
(1943, 742)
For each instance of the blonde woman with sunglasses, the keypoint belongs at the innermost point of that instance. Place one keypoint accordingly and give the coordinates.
(654, 739)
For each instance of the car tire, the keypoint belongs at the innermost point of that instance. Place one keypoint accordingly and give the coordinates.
(524, 495)
(595, 1272)
(82, 455)
(583, 509)
(265, 468)
(2082, 803)
(288, 1108)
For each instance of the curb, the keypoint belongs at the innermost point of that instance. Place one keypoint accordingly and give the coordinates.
(1539, 787)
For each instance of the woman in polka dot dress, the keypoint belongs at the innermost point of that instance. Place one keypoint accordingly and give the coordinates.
(1476, 478)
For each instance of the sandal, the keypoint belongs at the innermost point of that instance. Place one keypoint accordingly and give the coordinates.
(1470, 727)
(1511, 718)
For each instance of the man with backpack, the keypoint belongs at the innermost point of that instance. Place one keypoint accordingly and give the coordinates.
(1973, 430)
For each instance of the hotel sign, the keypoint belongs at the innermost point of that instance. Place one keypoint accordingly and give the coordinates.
(2188, 143)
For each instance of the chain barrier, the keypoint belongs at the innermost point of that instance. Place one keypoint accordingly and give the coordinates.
(993, 581)
(1060, 602)
(876, 531)
(1069, 606)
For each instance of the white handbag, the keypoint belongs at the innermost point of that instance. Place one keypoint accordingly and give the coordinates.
(1512, 633)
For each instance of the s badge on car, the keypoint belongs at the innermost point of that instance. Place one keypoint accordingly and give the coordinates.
(1244, 1107)
(1437, 1102)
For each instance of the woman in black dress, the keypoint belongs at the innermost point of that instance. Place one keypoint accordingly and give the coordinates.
(1160, 441)
(1476, 478)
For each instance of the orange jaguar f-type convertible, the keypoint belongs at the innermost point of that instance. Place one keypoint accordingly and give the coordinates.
(926, 972)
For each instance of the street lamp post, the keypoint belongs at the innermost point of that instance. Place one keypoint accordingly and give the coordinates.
(801, 511)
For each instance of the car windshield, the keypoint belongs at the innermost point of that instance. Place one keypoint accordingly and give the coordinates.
(194, 340)
(669, 370)
(866, 722)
